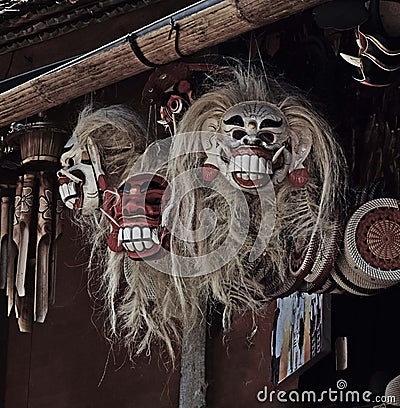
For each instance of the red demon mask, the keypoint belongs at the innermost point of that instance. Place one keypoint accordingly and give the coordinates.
(135, 215)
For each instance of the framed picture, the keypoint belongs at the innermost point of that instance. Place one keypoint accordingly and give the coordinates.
(300, 333)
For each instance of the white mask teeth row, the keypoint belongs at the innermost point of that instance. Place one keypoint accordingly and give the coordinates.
(250, 167)
(137, 238)
(68, 194)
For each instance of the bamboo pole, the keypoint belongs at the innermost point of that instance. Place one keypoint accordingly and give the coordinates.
(202, 25)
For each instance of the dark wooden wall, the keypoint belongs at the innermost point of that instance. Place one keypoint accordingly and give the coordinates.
(66, 362)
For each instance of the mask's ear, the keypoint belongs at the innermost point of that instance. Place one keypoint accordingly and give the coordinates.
(301, 147)
(211, 166)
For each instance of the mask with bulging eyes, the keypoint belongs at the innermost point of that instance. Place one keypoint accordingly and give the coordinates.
(135, 212)
(81, 178)
(256, 144)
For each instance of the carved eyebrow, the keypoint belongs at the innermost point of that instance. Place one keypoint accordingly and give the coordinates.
(234, 120)
(271, 123)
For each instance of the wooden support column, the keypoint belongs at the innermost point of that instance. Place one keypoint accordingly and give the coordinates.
(192, 390)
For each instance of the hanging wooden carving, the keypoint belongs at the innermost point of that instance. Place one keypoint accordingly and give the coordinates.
(36, 222)
(8, 181)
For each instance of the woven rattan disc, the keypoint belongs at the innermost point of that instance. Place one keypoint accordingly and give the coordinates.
(372, 241)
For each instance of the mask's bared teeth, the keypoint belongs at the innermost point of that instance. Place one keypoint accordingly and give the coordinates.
(138, 239)
(138, 246)
(262, 165)
(70, 203)
(136, 233)
(154, 236)
(72, 188)
(146, 233)
(127, 234)
(128, 246)
(254, 164)
(238, 164)
(251, 169)
(246, 164)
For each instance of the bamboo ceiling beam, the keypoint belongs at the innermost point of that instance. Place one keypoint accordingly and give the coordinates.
(202, 25)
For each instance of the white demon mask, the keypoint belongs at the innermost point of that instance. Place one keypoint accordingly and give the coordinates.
(255, 142)
(81, 177)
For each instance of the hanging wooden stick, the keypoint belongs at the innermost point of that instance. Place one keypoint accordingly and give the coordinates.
(4, 236)
(8, 178)
(24, 225)
(24, 305)
(57, 232)
(43, 244)
(13, 246)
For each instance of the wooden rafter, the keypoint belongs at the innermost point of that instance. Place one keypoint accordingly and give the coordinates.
(202, 25)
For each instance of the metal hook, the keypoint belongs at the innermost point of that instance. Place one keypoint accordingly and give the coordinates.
(175, 27)
(138, 52)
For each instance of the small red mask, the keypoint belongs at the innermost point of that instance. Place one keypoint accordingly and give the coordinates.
(135, 212)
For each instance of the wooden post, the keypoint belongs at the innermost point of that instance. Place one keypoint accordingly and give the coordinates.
(192, 390)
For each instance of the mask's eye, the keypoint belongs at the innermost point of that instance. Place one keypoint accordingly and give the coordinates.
(70, 162)
(267, 137)
(175, 104)
(238, 134)
(153, 199)
(125, 188)
(270, 123)
(234, 121)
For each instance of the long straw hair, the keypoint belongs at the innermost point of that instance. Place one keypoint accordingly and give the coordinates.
(300, 212)
(144, 305)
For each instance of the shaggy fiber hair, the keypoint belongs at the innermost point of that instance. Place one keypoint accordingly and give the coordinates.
(119, 135)
(143, 304)
(300, 212)
(138, 302)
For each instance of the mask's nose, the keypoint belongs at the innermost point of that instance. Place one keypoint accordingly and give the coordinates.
(252, 140)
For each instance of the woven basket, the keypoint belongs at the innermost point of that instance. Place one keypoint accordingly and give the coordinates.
(372, 242)
(38, 141)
